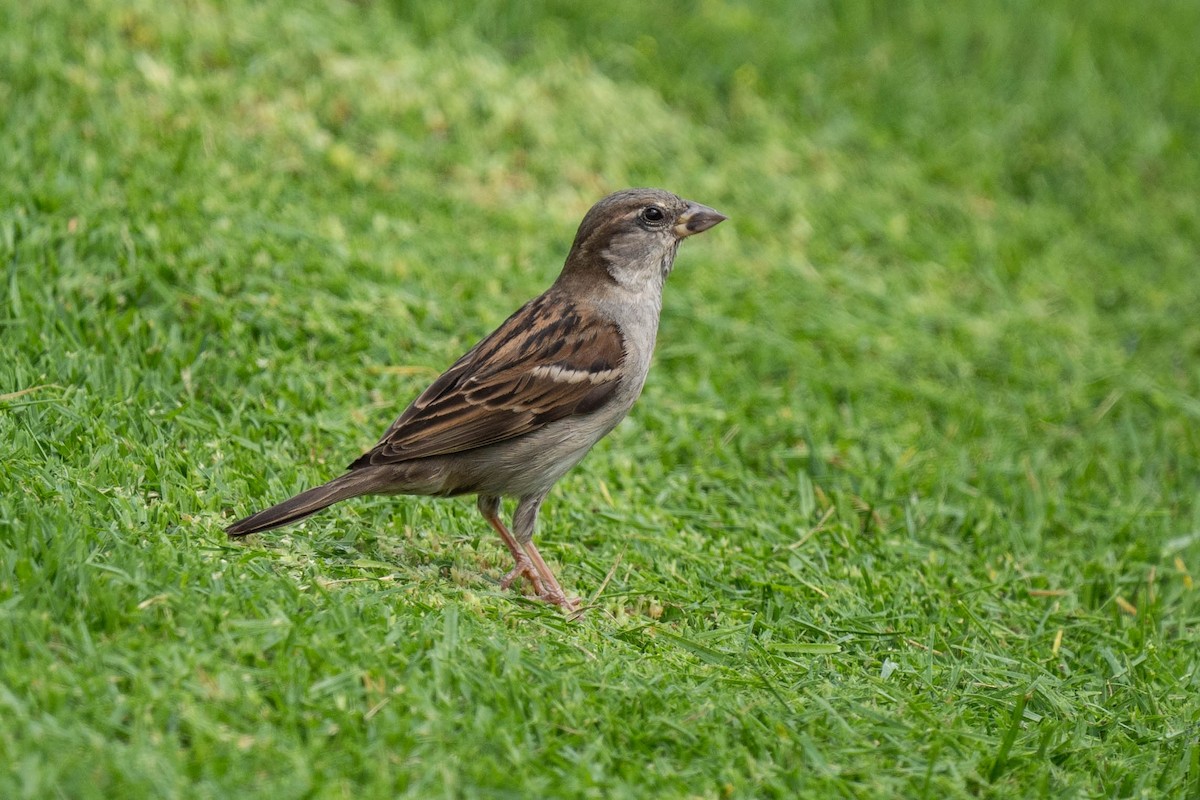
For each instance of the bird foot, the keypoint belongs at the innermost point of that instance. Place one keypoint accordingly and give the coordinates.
(544, 585)
(559, 599)
(524, 568)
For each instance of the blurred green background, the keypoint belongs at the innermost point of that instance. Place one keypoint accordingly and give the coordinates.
(909, 504)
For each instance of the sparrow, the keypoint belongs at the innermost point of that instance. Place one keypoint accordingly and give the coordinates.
(526, 404)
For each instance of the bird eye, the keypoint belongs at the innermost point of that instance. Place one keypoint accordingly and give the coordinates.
(652, 214)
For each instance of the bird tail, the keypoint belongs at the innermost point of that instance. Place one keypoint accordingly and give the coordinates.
(352, 484)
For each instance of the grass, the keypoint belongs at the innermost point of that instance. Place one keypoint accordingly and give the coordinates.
(908, 507)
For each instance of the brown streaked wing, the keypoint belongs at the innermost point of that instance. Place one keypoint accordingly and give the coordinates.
(549, 360)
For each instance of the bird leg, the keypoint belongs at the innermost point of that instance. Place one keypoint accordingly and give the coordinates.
(524, 523)
(490, 508)
(553, 592)
(529, 562)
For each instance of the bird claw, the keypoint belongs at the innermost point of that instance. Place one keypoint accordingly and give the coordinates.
(532, 568)
(524, 568)
(559, 599)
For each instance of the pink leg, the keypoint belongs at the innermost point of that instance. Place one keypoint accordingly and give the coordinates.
(553, 592)
(524, 565)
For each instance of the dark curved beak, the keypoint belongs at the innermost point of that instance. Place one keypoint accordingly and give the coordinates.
(697, 219)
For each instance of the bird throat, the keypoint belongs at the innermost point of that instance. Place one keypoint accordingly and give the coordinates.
(645, 271)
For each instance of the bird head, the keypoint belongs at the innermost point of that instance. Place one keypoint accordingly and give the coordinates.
(632, 236)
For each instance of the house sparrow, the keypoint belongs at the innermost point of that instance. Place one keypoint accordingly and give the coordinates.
(523, 406)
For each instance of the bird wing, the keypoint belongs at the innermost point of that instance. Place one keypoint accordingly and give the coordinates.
(549, 360)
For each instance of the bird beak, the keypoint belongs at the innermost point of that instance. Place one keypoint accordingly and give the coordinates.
(696, 219)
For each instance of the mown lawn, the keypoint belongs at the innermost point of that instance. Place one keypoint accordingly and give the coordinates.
(909, 505)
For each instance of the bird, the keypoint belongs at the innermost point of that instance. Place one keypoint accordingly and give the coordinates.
(523, 406)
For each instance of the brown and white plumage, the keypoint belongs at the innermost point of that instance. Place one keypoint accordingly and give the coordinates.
(523, 406)
(551, 359)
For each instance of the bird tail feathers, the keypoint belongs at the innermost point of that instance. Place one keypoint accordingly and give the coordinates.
(352, 484)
